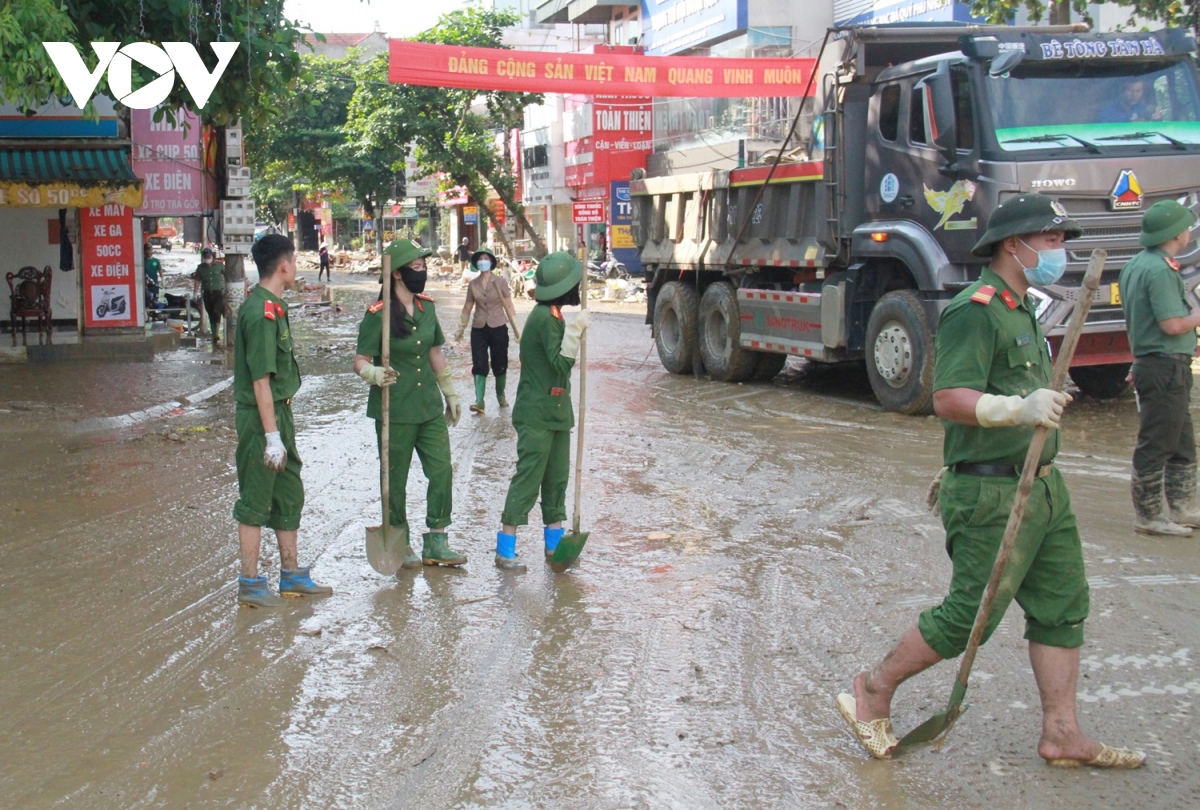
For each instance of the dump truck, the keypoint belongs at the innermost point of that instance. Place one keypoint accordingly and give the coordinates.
(851, 252)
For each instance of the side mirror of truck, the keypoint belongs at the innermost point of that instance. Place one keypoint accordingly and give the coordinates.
(945, 137)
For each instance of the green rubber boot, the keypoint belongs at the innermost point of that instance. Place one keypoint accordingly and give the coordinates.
(436, 551)
(480, 386)
(500, 380)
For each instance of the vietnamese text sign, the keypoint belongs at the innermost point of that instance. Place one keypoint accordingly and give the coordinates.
(670, 26)
(470, 215)
(613, 74)
(168, 161)
(588, 213)
(109, 282)
(621, 239)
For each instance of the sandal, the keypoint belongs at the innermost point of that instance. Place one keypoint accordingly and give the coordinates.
(875, 735)
(1118, 758)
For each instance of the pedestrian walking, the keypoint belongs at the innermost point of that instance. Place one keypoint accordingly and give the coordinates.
(990, 379)
(1162, 333)
(152, 268)
(491, 299)
(209, 280)
(463, 253)
(542, 414)
(265, 378)
(417, 420)
(323, 255)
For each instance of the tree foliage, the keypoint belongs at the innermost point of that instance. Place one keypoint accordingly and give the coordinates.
(1171, 13)
(266, 63)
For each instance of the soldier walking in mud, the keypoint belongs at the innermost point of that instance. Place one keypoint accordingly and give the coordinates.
(990, 391)
(1162, 334)
(265, 378)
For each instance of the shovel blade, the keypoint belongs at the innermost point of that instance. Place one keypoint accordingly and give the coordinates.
(935, 726)
(385, 551)
(567, 551)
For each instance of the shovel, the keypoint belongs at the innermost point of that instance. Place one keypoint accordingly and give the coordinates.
(385, 543)
(943, 721)
(571, 545)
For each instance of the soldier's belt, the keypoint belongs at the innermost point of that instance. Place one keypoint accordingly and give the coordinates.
(999, 470)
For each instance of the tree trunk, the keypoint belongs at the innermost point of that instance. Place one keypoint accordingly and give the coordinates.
(499, 229)
(539, 245)
(1060, 12)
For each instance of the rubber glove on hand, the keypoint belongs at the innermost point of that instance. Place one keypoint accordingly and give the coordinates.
(1043, 407)
(462, 327)
(378, 375)
(573, 334)
(453, 406)
(275, 456)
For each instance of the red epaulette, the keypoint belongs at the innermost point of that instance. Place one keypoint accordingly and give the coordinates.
(984, 294)
(268, 311)
(556, 312)
(378, 305)
(1009, 299)
(1174, 265)
(428, 298)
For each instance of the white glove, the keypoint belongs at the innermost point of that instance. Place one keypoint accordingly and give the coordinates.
(462, 327)
(453, 406)
(575, 330)
(1043, 407)
(275, 456)
(378, 375)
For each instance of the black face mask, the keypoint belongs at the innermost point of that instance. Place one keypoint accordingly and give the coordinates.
(413, 279)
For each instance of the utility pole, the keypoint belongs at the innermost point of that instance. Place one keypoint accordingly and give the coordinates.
(237, 224)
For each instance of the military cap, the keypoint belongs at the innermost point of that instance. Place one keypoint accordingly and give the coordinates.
(1164, 221)
(1028, 213)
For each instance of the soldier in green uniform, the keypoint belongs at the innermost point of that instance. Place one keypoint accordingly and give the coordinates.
(210, 280)
(265, 377)
(990, 381)
(419, 378)
(542, 414)
(153, 271)
(1162, 333)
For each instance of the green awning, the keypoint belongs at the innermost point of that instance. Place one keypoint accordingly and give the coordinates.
(83, 166)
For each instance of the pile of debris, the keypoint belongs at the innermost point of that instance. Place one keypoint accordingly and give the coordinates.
(628, 291)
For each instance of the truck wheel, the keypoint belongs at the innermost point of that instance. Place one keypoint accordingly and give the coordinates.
(675, 326)
(1102, 382)
(900, 353)
(720, 335)
(767, 366)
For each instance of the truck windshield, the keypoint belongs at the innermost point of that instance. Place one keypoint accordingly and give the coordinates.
(1093, 106)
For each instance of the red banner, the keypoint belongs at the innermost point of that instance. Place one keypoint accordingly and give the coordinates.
(109, 286)
(613, 74)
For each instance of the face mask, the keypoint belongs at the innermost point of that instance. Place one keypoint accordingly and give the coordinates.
(413, 279)
(1049, 269)
(484, 265)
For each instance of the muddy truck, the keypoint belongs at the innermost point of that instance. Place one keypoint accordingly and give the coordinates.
(851, 252)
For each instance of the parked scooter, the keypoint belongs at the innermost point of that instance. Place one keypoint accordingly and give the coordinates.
(111, 302)
(609, 268)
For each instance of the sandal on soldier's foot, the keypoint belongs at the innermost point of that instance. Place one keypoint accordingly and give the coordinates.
(875, 735)
(1118, 758)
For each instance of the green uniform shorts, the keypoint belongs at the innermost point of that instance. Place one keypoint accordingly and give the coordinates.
(431, 440)
(1045, 573)
(543, 463)
(267, 498)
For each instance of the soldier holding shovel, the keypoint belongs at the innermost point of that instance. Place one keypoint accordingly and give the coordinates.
(990, 384)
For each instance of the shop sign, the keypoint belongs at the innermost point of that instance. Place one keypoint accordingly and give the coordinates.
(670, 26)
(66, 195)
(110, 285)
(470, 215)
(589, 212)
(168, 161)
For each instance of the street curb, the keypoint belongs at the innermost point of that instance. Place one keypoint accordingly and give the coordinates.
(154, 412)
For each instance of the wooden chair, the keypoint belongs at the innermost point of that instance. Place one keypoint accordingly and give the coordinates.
(29, 297)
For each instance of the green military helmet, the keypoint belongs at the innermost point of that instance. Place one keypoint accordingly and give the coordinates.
(404, 251)
(556, 274)
(484, 252)
(1164, 221)
(1028, 213)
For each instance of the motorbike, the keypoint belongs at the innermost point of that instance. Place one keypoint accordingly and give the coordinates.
(609, 268)
(111, 302)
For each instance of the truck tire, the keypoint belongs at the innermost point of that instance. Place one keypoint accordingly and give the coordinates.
(720, 335)
(767, 366)
(675, 326)
(1102, 382)
(900, 354)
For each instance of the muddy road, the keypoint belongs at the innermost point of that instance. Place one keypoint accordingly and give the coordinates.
(697, 671)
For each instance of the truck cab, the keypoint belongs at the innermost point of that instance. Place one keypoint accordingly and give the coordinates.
(926, 130)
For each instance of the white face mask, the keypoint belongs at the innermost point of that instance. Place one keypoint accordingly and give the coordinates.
(484, 265)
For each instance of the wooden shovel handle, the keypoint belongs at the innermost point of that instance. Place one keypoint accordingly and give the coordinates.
(385, 355)
(582, 407)
(1066, 352)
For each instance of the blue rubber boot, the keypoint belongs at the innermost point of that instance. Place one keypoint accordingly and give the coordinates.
(254, 592)
(551, 538)
(299, 583)
(506, 554)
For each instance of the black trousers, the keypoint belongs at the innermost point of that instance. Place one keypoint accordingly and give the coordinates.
(214, 305)
(493, 339)
(1164, 389)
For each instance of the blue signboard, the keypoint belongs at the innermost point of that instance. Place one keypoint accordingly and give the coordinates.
(898, 11)
(671, 26)
(621, 238)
